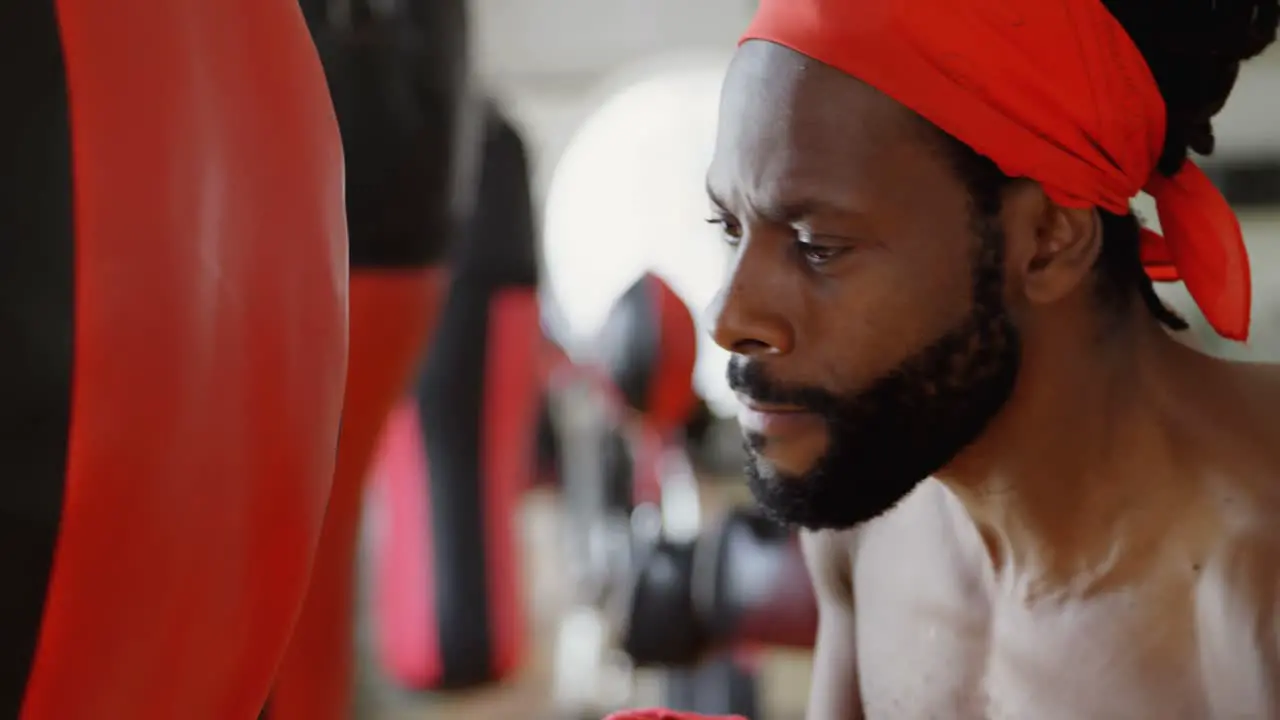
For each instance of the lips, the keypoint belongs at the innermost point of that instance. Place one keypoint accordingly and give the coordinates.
(776, 421)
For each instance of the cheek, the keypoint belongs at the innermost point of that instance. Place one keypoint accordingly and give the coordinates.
(874, 317)
(924, 288)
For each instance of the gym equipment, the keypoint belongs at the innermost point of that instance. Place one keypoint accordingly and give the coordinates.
(398, 76)
(725, 684)
(173, 302)
(659, 624)
(633, 561)
(460, 452)
(633, 514)
(688, 600)
(648, 348)
(750, 583)
(619, 422)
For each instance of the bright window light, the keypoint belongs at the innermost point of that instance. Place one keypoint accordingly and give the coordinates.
(628, 197)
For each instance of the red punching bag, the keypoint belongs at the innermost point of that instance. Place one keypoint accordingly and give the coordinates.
(173, 306)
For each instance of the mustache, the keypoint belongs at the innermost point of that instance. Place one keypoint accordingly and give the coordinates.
(750, 378)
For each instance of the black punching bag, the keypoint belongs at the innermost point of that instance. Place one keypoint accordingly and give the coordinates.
(459, 452)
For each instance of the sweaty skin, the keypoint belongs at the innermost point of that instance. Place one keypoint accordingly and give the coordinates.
(1105, 548)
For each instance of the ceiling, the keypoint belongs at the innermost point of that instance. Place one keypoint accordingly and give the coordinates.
(561, 49)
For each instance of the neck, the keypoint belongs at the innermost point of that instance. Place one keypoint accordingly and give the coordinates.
(1077, 481)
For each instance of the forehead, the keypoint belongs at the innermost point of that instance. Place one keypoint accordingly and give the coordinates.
(791, 125)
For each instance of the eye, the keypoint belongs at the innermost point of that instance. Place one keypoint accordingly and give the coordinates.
(730, 230)
(818, 255)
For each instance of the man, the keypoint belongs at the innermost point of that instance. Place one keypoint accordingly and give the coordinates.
(938, 276)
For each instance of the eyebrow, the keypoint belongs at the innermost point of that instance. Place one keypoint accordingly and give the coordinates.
(800, 208)
(791, 210)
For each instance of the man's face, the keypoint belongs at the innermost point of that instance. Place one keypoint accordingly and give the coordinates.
(865, 308)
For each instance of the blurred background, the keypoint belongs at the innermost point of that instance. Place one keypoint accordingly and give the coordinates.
(635, 574)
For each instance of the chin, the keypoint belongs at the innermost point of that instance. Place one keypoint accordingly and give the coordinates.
(820, 499)
(779, 469)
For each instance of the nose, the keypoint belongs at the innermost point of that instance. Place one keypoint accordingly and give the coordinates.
(747, 316)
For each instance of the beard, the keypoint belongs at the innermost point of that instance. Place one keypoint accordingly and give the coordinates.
(886, 438)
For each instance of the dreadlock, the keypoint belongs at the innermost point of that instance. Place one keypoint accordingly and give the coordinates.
(1194, 49)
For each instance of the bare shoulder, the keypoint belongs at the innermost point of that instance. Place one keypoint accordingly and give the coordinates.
(1238, 624)
(1243, 570)
(1236, 420)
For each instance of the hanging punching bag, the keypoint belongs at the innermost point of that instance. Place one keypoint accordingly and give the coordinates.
(173, 303)
(460, 451)
(648, 347)
(398, 74)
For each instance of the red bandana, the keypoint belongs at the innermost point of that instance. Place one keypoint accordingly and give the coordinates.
(667, 715)
(1052, 90)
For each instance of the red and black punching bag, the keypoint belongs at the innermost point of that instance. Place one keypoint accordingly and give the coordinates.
(648, 347)
(173, 300)
(397, 72)
(459, 452)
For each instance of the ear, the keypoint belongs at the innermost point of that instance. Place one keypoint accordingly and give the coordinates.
(1051, 249)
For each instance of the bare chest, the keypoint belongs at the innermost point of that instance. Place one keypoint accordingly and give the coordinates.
(934, 641)
(926, 658)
